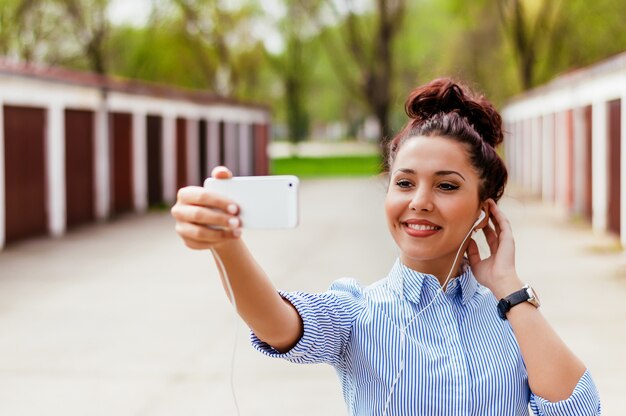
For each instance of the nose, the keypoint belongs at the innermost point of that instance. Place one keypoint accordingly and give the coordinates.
(421, 200)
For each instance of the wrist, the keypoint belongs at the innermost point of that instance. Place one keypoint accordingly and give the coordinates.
(504, 287)
(228, 247)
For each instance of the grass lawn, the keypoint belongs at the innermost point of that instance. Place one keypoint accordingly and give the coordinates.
(313, 167)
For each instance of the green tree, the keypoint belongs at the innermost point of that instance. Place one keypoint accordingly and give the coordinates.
(223, 41)
(367, 39)
(295, 64)
(530, 26)
(91, 28)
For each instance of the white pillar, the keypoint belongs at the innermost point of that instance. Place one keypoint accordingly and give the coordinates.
(535, 138)
(230, 147)
(213, 145)
(623, 169)
(192, 146)
(528, 155)
(548, 139)
(169, 158)
(140, 160)
(246, 150)
(580, 171)
(102, 161)
(2, 180)
(599, 153)
(507, 148)
(55, 169)
(517, 153)
(560, 160)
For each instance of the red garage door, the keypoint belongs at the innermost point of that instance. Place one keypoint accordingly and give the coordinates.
(614, 166)
(155, 152)
(24, 172)
(588, 164)
(261, 133)
(202, 151)
(121, 163)
(79, 166)
(181, 153)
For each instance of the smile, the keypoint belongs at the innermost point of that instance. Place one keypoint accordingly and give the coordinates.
(420, 227)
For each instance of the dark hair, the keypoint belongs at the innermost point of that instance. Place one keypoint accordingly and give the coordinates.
(449, 109)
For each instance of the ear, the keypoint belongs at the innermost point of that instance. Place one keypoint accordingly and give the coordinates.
(484, 206)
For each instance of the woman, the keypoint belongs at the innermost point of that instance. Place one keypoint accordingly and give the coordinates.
(417, 342)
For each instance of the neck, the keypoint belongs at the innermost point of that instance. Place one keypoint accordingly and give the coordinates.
(440, 268)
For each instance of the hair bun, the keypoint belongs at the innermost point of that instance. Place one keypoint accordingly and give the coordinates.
(444, 96)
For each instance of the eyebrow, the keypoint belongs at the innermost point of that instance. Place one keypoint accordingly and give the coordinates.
(438, 173)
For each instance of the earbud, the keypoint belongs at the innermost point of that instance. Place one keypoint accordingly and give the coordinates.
(480, 218)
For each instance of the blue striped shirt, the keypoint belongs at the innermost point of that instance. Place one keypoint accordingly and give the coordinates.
(456, 358)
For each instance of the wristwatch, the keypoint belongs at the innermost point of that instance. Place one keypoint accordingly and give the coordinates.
(526, 294)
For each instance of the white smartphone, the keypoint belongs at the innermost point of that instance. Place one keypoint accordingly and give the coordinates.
(264, 201)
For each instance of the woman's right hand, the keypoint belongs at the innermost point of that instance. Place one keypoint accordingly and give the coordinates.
(205, 219)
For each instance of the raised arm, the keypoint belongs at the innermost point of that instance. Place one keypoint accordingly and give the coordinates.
(206, 220)
(553, 369)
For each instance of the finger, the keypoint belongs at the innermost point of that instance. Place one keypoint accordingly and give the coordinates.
(501, 222)
(202, 234)
(196, 195)
(221, 172)
(473, 255)
(202, 245)
(492, 238)
(204, 216)
(197, 245)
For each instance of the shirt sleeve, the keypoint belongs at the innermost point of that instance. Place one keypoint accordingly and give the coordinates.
(327, 320)
(584, 401)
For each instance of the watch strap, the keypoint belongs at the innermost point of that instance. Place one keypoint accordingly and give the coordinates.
(515, 298)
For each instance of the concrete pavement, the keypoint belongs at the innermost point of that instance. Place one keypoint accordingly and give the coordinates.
(121, 319)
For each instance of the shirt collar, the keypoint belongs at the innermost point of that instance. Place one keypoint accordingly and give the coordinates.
(409, 283)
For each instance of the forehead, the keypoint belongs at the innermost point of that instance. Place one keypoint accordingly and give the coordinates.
(432, 154)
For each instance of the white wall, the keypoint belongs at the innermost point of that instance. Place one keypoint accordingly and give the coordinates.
(102, 157)
(2, 179)
(55, 168)
(140, 160)
(594, 87)
(599, 176)
(193, 162)
(55, 97)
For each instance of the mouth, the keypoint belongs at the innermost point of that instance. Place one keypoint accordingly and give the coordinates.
(420, 229)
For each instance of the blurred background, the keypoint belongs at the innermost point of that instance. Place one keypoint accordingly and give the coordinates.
(110, 106)
(329, 70)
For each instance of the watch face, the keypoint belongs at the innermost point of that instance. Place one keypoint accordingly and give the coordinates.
(532, 297)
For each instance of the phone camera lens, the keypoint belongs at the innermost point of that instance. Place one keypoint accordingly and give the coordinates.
(290, 184)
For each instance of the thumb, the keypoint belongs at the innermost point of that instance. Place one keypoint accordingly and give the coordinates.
(221, 172)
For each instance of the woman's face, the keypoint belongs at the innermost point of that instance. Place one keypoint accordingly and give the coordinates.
(432, 202)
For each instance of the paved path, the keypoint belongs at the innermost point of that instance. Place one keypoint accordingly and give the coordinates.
(120, 319)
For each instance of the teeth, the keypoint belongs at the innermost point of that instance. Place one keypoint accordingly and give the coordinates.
(422, 227)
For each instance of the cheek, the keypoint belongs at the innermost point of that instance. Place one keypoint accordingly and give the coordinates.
(395, 205)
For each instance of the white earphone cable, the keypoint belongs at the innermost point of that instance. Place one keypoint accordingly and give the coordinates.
(403, 337)
(231, 295)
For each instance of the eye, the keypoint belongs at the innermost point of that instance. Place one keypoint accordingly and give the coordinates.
(403, 183)
(446, 186)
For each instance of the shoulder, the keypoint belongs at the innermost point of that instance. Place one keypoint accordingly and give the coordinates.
(351, 287)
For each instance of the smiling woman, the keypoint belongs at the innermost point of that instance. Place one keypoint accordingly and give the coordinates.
(416, 342)
(431, 202)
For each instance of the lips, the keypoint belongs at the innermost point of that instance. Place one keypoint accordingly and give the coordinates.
(420, 228)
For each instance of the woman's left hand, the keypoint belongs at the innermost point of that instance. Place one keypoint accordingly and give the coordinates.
(496, 272)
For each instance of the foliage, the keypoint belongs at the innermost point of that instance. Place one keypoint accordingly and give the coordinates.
(339, 62)
(311, 167)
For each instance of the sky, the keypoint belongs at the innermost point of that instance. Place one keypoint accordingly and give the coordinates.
(137, 12)
(134, 12)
